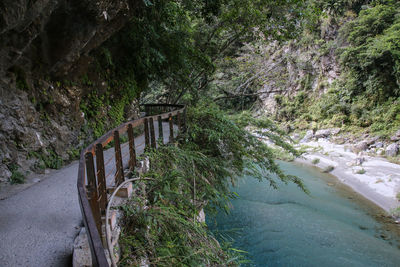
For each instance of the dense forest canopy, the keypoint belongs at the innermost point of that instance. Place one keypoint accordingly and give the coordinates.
(174, 45)
(173, 48)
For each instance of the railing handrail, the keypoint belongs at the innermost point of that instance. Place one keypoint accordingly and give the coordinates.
(86, 202)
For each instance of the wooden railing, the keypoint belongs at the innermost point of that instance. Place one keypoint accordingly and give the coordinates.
(97, 175)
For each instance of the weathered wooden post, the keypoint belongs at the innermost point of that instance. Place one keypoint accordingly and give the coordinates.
(146, 133)
(179, 121)
(152, 133)
(171, 129)
(147, 110)
(160, 130)
(132, 151)
(119, 175)
(92, 190)
(184, 120)
(101, 179)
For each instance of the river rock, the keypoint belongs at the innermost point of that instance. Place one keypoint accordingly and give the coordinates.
(359, 161)
(377, 145)
(370, 141)
(380, 151)
(361, 146)
(323, 133)
(295, 136)
(335, 131)
(356, 162)
(392, 150)
(396, 136)
(357, 170)
(307, 137)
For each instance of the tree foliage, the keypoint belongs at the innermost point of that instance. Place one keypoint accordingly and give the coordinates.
(216, 150)
(372, 60)
(171, 46)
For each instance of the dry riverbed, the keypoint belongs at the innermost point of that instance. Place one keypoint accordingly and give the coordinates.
(373, 177)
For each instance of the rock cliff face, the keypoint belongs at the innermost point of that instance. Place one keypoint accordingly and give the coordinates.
(309, 66)
(51, 35)
(44, 41)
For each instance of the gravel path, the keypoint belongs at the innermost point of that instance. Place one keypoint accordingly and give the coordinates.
(39, 224)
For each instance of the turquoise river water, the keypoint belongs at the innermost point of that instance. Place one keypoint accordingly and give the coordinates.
(285, 227)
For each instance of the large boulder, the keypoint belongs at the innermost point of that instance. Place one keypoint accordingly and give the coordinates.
(308, 136)
(335, 131)
(371, 140)
(361, 146)
(392, 150)
(323, 133)
(378, 145)
(396, 136)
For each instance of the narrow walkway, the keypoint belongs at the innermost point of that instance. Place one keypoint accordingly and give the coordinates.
(38, 225)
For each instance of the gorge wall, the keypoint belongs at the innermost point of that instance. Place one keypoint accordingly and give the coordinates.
(46, 69)
(309, 64)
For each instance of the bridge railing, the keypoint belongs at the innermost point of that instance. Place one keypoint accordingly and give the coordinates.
(94, 177)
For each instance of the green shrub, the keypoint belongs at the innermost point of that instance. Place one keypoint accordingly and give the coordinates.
(315, 161)
(47, 159)
(361, 171)
(16, 176)
(372, 61)
(74, 153)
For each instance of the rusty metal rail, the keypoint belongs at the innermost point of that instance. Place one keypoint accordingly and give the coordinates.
(92, 179)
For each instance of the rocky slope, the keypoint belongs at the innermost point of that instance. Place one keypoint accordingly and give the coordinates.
(303, 85)
(45, 46)
(305, 65)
